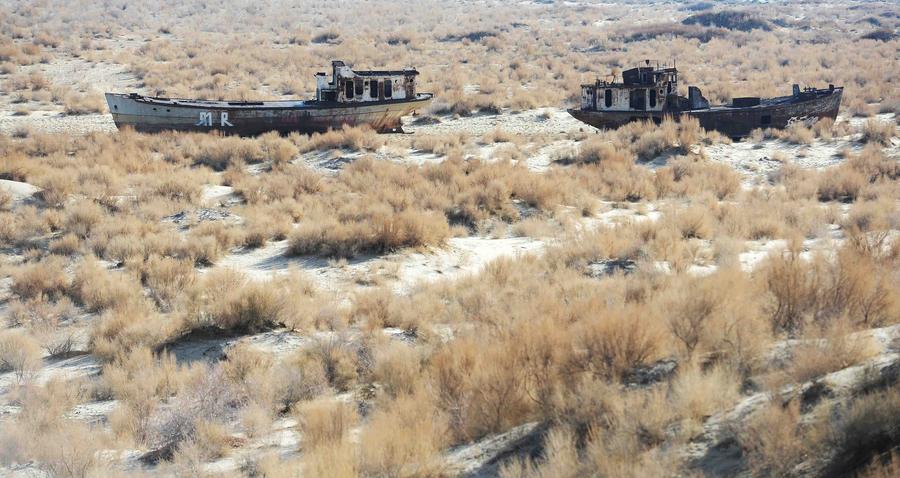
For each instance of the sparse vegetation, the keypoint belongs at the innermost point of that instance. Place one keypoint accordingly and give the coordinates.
(504, 290)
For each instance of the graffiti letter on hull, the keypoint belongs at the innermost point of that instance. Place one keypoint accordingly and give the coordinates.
(206, 119)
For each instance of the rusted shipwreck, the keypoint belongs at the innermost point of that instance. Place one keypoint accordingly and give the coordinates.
(375, 98)
(649, 93)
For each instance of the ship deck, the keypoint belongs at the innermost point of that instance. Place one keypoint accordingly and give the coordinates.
(276, 104)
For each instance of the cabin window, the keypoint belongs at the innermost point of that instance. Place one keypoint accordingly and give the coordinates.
(388, 89)
(359, 86)
(607, 98)
(348, 90)
(765, 120)
(653, 98)
(373, 89)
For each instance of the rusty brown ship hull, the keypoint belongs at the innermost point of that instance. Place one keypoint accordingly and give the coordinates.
(734, 122)
(153, 114)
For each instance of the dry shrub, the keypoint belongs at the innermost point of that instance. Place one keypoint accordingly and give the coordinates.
(836, 350)
(792, 287)
(44, 278)
(361, 138)
(56, 186)
(279, 150)
(841, 184)
(337, 358)
(167, 278)
(194, 416)
(210, 441)
(499, 135)
(442, 145)
(82, 217)
(301, 376)
(132, 326)
(382, 233)
(336, 461)
(379, 308)
(598, 151)
(43, 320)
(614, 342)
(397, 369)
(80, 104)
(221, 152)
(71, 450)
(798, 133)
(700, 393)
(858, 176)
(403, 440)
(694, 222)
(866, 430)
(256, 420)
(878, 132)
(19, 353)
(66, 245)
(689, 176)
(325, 422)
(99, 289)
(234, 303)
(770, 439)
(824, 128)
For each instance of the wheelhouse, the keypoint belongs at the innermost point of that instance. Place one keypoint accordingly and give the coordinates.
(350, 86)
(641, 89)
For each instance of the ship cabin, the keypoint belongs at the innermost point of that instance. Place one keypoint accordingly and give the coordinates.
(349, 86)
(645, 88)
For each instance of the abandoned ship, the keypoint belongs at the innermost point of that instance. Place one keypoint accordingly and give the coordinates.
(375, 98)
(651, 93)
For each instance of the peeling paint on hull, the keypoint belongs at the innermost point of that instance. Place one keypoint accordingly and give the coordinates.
(734, 122)
(153, 115)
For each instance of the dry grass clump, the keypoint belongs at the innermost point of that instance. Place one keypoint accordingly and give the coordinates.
(878, 132)
(404, 440)
(19, 353)
(445, 145)
(380, 233)
(353, 138)
(770, 439)
(817, 291)
(236, 303)
(46, 278)
(325, 422)
(595, 150)
(859, 176)
(82, 104)
(41, 435)
(221, 152)
(797, 133)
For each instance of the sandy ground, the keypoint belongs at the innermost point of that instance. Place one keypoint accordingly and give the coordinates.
(401, 270)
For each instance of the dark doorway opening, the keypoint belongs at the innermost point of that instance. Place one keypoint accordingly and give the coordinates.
(638, 99)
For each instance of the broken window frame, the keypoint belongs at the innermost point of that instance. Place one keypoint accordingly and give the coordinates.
(388, 89)
(373, 89)
(608, 98)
